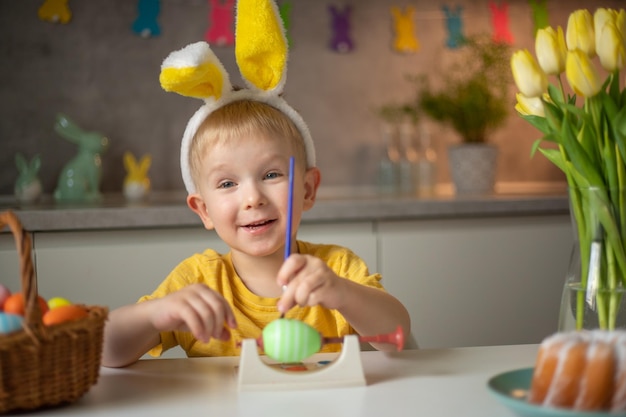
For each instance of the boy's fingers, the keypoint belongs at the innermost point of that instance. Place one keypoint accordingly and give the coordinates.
(196, 325)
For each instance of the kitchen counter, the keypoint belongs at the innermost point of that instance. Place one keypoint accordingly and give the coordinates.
(428, 382)
(168, 209)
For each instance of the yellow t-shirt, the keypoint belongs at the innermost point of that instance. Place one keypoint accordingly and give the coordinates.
(252, 312)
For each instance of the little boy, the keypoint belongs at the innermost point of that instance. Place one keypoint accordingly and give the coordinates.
(235, 163)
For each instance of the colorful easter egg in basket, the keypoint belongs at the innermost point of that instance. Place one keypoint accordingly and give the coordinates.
(287, 340)
(64, 313)
(55, 302)
(10, 322)
(15, 304)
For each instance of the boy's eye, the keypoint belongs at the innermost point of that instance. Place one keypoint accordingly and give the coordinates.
(272, 175)
(226, 184)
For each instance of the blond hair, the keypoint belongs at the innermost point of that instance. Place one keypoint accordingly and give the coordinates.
(239, 119)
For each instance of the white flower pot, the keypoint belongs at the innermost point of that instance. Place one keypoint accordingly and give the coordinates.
(473, 167)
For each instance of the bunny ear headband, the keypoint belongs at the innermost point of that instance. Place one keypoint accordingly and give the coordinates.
(261, 53)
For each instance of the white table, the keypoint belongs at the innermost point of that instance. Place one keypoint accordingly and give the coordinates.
(429, 383)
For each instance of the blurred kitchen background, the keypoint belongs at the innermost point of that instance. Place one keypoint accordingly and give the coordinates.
(104, 77)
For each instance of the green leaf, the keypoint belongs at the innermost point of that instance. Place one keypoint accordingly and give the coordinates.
(591, 143)
(614, 87)
(554, 156)
(534, 147)
(579, 157)
(609, 105)
(540, 123)
(609, 159)
(554, 116)
(555, 93)
(618, 126)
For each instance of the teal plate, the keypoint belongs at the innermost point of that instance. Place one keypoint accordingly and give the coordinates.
(510, 389)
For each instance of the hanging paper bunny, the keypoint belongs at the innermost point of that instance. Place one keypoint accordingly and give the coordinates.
(146, 24)
(404, 26)
(341, 38)
(220, 31)
(540, 14)
(55, 11)
(500, 20)
(285, 14)
(454, 24)
(261, 55)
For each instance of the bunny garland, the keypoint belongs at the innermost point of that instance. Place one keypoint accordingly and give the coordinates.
(146, 24)
(55, 11)
(261, 53)
(405, 40)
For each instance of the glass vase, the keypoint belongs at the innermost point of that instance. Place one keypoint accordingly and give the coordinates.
(593, 294)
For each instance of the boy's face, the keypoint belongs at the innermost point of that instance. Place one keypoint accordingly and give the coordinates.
(243, 191)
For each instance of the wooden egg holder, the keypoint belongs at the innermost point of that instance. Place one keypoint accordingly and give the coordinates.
(345, 371)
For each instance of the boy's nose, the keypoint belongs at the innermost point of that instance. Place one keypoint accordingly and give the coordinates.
(253, 197)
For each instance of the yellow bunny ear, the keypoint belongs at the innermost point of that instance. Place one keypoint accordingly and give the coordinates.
(129, 161)
(261, 45)
(145, 163)
(195, 71)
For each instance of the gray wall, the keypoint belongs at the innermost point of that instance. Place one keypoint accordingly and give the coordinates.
(104, 77)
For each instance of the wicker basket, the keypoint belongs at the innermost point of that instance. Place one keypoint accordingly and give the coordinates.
(46, 365)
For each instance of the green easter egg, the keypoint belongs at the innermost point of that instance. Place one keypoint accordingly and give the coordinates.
(287, 340)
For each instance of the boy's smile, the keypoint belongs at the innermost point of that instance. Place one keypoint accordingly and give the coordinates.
(259, 226)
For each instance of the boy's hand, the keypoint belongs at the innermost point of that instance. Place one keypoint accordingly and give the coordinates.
(309, 282)
(197, 309)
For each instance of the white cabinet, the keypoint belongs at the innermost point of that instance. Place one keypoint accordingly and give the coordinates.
(472, 282)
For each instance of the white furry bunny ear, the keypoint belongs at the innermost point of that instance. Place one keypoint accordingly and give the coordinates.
(195, 71)
(261, 45)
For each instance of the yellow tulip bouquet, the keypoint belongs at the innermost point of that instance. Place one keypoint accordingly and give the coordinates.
(588, 131)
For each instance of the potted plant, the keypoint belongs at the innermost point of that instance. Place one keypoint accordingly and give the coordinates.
(473, 100)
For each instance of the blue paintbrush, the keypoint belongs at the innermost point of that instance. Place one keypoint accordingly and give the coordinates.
(289, 215)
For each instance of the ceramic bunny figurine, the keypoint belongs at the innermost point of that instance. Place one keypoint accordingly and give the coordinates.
(136, 183)
(27, 186)
(80, 177)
